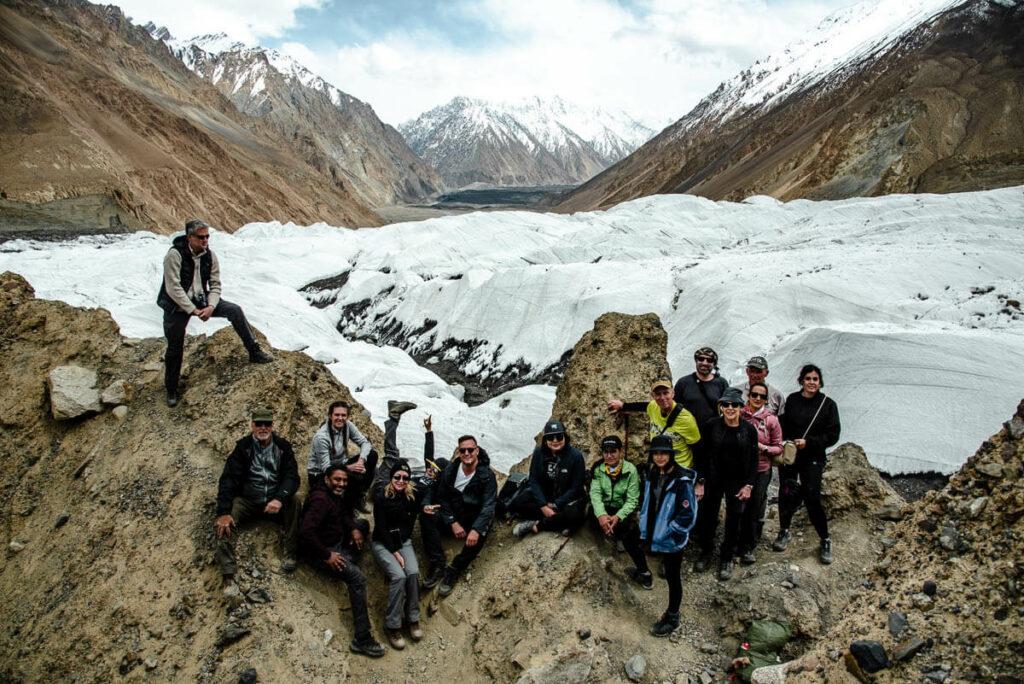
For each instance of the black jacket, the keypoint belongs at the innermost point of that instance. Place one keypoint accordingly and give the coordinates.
(475, 504)
(726, 468)
(236, 470)
(393, 519)
(825, 431)
(187, 272)
(570, 475)
(326, 521)
(700, 398)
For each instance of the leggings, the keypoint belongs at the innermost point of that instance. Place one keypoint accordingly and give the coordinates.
(673, 575)
(800, 484)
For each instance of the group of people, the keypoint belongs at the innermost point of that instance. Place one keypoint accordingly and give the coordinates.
(709, 444)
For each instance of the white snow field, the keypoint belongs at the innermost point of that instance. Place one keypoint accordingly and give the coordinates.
(905, 301)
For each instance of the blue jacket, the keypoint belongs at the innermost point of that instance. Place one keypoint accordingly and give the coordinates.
(676, 514)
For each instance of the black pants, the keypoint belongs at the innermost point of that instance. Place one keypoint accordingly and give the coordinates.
(707, 518)
(432, 528)
(800, 484)
(354, 579)
(175, 322)
(628, 532)
(752, 522)
(526, 506)
(673, 575)
(358, 483)
(243, 511)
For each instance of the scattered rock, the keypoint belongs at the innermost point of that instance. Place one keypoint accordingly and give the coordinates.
(977, 506)
(151, 663)
(230, 634)
(635, 668)
(890, 512)
(73, 392)
(770, 674)
(709, 647)
(16, 546)
(248, 676)
(115, 393)
(120, 412)
(930, 588)
(328, 636)
(948, 538)
(870, 655)
(990, 469)
(922, 601)
(897, 623)
(583, 634)
(908, 649)
(61, 520)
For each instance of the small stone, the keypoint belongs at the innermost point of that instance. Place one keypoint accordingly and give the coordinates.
(892, 512)
(930, 587)
(793, 578)
(328, 635)
(583, 633)
(120, 412)
(937, 676)
(61, 520)
(230, 634)
(16, 546)
(247, 676)
(922, 601)
(990, 469)
(635, 668)
(154, 366)
(948, 538)
(870, 655)
(151, 663)
(114, 393)
(909, 649)
(977, 506)
(786, 584)
(897, 623)
(288, 627)
(709, 647)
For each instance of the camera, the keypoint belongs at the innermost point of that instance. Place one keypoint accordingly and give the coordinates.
(200, 301)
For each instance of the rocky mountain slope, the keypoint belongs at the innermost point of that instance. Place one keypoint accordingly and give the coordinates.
(108, 565)
(337, 134)
(532, 142)
(103, 130)
(884, 96)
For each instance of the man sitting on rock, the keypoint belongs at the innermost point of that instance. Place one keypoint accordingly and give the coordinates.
(667, 418)
(332, 537)
(552, 497)
(462, 504)
(330, 447)
(259, 480)
(615, 498)
(191, 287)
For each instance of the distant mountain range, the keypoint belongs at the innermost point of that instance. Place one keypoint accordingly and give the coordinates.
(884, 96)
(336, 133)
(531, 142)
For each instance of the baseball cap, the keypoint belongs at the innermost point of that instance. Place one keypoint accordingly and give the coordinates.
(757, 362)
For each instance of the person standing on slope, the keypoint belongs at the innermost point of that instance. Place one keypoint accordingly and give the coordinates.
(191, 287)
(700, 391)
(667, 418)
(811, 420)
(769, 445)
(554, 494)
(757, 371)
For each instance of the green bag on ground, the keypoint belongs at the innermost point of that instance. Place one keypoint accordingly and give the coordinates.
(768, 636)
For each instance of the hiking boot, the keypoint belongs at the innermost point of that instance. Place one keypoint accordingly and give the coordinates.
(288, 564)
(521, 529)
(448, 583)
(668, 623)
(367, 646)
(825, 555)
(725, 570)
(702, 563)
(397, 408)
(782, 541)
(396, 639)
(415, 632)
(645, 579)
(257, 355)
(172, 398)
(748, 558)
(435, 575)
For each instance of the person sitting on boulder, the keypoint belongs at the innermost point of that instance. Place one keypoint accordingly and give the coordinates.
(769, 444)
(726, 467)
(330, 447)
(811, 420)
(462, 504)
(394, 515)
(615, 497)
(699, 391)
(667, 418)
(391, 453)
(667, 515)
(332, 538)
(553, 497)
(259, 480)
(191, 287)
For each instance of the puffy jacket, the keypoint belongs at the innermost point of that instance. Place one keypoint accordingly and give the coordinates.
(393, 519)
(475, 504)
(769, 433)
(236, 473)
(676, 511)
(570, 475)
(622, 493)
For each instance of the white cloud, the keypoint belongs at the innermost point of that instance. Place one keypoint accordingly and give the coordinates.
(244, 20)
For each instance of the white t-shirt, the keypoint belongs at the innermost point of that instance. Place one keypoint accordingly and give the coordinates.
(462, 479)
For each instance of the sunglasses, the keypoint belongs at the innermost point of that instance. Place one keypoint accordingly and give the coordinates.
(463, 450)
(201, 237)
(554, 438)
(400, 478)
(262, 423)
(730, 404)
(758, 395)
(704, 359)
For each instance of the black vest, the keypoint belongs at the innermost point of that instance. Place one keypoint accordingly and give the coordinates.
(187, 272)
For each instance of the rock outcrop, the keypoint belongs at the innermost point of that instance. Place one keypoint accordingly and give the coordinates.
(73, 392)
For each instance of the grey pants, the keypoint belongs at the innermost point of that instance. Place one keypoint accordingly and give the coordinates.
(403, 584)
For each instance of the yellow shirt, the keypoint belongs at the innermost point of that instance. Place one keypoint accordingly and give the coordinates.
(684, 431)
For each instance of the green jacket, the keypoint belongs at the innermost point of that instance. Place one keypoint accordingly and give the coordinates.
(623, 494)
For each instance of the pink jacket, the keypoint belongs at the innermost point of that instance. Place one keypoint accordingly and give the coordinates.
(769, 433)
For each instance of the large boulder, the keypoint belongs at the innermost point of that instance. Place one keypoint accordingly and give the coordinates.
(618, 358)
(73, 392)
(851, 484)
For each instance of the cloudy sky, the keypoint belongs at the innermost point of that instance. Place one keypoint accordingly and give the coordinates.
(652, 58)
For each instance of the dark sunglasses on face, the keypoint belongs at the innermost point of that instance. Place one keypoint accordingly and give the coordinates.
(758, 395)
(704, 359)
(730, 404)
(262, 423)
(465, 450)
(555, 438)
(201, 237)
(401, 478)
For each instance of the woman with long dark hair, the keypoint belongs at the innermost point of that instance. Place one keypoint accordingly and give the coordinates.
(811, 420)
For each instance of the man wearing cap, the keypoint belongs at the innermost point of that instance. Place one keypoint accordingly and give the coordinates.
(667, 418)
(191, 287)
(554, 496)
(757, 371)
(700, 391)
(259, 480)
(615, 497)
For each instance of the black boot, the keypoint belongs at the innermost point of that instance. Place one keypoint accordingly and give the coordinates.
(668, 623)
